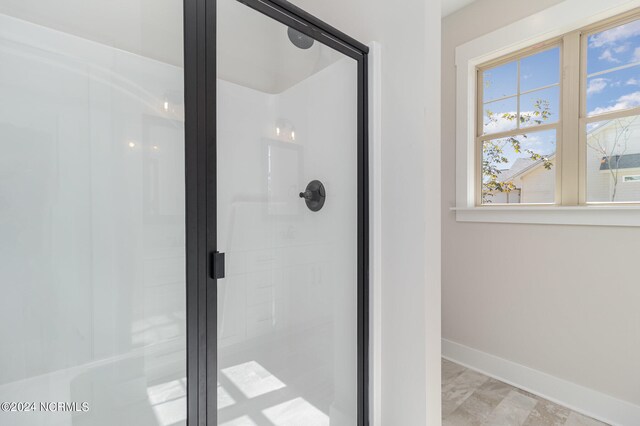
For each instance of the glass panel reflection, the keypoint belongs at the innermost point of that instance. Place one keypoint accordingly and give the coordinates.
(92, 264)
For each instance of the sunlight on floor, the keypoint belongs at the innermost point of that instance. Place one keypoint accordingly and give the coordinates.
(168, 401)
(224, 399)
(240, 421)
(259, 398)
(252, 379)
(296, 412)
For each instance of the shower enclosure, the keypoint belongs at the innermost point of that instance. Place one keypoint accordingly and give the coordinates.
(184, 215)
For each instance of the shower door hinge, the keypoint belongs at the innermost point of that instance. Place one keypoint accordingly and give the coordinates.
(216, 268)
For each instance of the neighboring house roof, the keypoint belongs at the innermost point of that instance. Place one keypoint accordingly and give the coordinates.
(517, 166)
(599, 127)
(627, 161)
(520, 167)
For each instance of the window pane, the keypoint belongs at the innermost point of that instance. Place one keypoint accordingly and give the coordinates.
(614, 47)
(500, 81)
(519, 169)
(613, 160)
(540, 70)
(500, 116)
(613, 91)
(540, 107)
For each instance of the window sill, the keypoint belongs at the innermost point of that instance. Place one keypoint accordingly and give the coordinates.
(554, 215)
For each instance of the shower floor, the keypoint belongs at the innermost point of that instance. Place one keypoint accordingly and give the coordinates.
(283, 382)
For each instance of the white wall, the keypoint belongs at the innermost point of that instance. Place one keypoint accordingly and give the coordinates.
(572, 310)
(410, 40)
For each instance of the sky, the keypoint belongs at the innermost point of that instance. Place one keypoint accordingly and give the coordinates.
(608, 88)
(613, 90)
(536, 72)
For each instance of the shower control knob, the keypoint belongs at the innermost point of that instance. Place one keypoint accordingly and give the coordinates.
(307, 195)
(314, 195)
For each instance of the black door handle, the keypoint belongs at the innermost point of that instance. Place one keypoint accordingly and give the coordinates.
(216, 267)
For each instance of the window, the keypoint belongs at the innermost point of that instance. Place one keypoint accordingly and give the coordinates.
(559, 123)
(610, 111)
(520, 122)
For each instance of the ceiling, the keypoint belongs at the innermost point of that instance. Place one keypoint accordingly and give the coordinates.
(450, 6)
(146, 27)
(151, 28)
(253, 50)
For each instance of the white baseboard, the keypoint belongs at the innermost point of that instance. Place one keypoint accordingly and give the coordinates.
(578, 398)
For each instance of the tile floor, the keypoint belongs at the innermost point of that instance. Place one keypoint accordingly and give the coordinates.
(473, 399)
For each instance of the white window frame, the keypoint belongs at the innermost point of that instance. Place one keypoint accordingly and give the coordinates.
(481, 137)
(562, 21)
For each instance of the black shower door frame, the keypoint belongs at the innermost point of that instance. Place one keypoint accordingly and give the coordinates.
(201, 194)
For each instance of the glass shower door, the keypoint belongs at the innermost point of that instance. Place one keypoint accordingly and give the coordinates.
(287, 171)
(92, 196)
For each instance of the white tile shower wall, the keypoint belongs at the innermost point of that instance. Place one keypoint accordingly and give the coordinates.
(292, 273)
(287, 267)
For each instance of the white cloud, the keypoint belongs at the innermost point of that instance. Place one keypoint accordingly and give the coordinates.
(608, 56)
(597, 85)
(533, 142)
(500, 124)
(621, 49)
(633, 82)
(615, 35)
(636, 55)
(631, 100)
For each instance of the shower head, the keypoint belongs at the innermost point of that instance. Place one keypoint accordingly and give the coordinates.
(299, 39)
